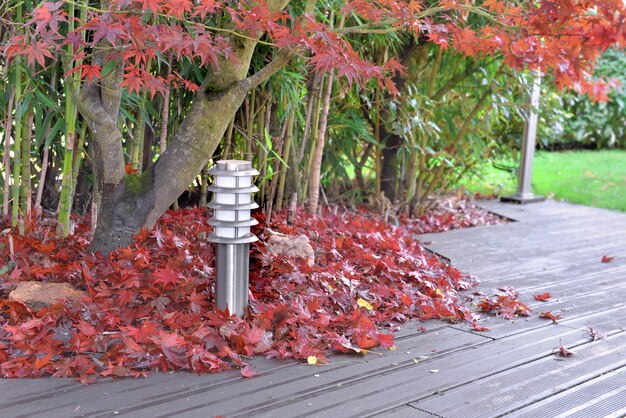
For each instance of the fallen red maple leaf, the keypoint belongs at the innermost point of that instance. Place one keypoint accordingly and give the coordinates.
(542, 297)
(595, 335)
(607, 259)
(505, 303)
(562, 351)
(165, 276)
(550, 315)
(248, 371)
(478, 328)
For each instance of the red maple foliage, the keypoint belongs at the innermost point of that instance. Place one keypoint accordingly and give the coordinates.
(150, 306)
(565, 36)
(453, 213)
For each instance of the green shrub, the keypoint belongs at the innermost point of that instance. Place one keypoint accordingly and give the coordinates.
(572, 121)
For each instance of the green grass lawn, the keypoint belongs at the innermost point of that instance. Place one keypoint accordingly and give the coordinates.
(593, 178)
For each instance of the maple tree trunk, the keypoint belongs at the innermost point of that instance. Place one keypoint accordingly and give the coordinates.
(130, 202)
(388, 172)
(392, 142)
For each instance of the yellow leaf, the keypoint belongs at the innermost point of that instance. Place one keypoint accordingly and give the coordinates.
(393, 348)
(364, 304)
(311, 360)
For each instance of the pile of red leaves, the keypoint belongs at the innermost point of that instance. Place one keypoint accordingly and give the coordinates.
(150, 306)
(453, 212)
(504, 303)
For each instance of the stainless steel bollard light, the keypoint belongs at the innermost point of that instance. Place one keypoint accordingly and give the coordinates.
(231, 221)
(524, 193)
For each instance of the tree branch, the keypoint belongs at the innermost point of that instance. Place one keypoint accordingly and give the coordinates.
(269, 70)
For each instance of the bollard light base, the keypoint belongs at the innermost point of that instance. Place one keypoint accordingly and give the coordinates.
(522, 199)
(231, 285)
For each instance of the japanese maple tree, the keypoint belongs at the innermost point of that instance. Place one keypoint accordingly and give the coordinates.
(122, 46)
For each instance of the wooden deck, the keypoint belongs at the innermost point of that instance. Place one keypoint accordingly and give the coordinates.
(448, 371)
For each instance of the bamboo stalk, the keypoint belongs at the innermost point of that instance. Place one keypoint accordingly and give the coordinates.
(286, 153)
(71, 113)
(262, 150)
(303, 180)
(46, 154)
(434, 72)
(229, 139)
(17, 142)
(276, 169)
(25, 182)
(421, 178)
(204, 185)
(97, 196)
(78, 157)
(291, 177)
(165, 111)
(379, 151)
(411, 176)
(250, 123)
(6, 158)
(312, 95)
(361, 161)
(139, 131)
(316, 168)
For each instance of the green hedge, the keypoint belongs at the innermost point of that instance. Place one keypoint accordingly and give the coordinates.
(571, 121)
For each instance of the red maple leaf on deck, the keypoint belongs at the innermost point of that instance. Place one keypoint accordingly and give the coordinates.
(562, 351)
(550, 315)
(542, 297)
(248, 371)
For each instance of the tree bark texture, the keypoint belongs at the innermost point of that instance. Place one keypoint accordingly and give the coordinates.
(392, 141)
(130, 202)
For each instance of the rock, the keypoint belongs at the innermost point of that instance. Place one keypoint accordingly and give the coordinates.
(38, 295)
(290, 246)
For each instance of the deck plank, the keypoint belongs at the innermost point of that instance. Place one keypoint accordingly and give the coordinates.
(529, 383)
(415, 381)
(591, 398)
